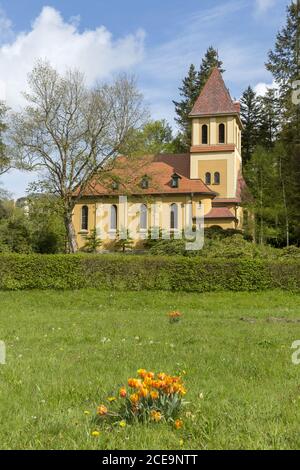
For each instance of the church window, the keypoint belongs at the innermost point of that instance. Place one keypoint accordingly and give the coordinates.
(217, 178)
(222, 133)
(174, 217)
(204, 134)
(84, 218)
(207, 178)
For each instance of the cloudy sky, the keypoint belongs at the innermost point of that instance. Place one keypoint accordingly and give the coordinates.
(156, 40)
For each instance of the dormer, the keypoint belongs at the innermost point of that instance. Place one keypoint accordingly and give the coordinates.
(145, 182)
(175, 180)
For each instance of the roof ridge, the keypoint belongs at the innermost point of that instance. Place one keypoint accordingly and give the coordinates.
(215, 97)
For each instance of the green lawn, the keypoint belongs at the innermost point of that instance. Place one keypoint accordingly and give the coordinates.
(60, 365)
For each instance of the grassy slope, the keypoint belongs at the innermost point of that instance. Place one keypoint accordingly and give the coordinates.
(58, 367)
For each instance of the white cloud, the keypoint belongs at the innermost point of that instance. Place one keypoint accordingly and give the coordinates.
(263, 5)
(95, 52)
(262, 88)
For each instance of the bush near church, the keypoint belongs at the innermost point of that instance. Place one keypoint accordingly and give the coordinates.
(176, 273)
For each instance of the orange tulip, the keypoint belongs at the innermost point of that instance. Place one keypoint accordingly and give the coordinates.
(154, 395)
(102, 410)
(134, 398)
(123, 392)
(178, 424)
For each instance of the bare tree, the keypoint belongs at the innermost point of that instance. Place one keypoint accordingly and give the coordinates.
(69, 132)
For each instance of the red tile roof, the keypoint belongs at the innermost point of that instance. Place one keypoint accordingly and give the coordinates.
(129, 172)
(220, 213)
(215, 98)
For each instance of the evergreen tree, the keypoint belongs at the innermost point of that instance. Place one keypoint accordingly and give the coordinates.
(249, 116)
(210, 61)
(189, 92)
(284, 63)
(93, 242)
(192, 86)
(269, 118)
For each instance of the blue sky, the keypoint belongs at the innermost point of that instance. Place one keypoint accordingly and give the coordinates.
(155, 40)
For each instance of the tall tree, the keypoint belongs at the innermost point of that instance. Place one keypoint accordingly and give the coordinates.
(153, 138)
(69, 132)
(189, 91)
(4, 159)
(269, 118)
(249, 116)
(284, 64)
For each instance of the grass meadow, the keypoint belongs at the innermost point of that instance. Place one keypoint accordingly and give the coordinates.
(67, 352)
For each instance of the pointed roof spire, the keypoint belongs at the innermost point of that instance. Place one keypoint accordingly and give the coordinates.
(214, 98)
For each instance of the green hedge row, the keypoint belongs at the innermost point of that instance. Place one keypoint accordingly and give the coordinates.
(121, 272)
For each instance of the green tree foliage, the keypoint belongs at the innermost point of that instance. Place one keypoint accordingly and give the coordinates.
(153, 138)
(93, 242)
(4, 158)
(249, 116)
(189, 91)
(269, 118)
(123, 244)
(34, 225)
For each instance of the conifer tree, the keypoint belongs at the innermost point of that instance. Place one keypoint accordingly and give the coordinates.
(191, 87)
(249, 116)
(269, 118)
(284, 64)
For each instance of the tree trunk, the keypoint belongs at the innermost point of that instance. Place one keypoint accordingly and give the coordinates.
(71, 235)
(287, 222)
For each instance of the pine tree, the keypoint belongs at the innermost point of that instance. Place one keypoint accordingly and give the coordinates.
(284, 63)
(189, 92)
(192, 86)
(249, 116)
(269, 118)
(210, 61)
(93, 242)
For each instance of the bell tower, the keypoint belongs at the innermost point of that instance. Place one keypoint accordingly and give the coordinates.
(215, 155)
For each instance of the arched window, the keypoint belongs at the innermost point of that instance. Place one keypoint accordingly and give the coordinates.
(217, 178)
(85, 218)
(113, 217)
(144, 217)
(207, 178)
(204, 134)
(222, 134)
(174, 217)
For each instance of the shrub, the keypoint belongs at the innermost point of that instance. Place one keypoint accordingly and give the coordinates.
(130, 272)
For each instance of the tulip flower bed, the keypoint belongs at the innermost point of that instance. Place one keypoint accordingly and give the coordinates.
(71, 352)
(148, 398)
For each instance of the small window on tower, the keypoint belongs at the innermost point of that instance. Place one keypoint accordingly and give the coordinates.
(207, 178)
(222, 134)
(217, 178)
(204, 134)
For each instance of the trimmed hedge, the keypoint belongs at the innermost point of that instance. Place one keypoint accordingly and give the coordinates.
(119, 272)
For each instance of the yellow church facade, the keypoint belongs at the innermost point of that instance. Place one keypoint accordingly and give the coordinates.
(166, 193)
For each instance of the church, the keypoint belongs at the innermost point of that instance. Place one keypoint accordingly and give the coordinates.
(209, 177)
